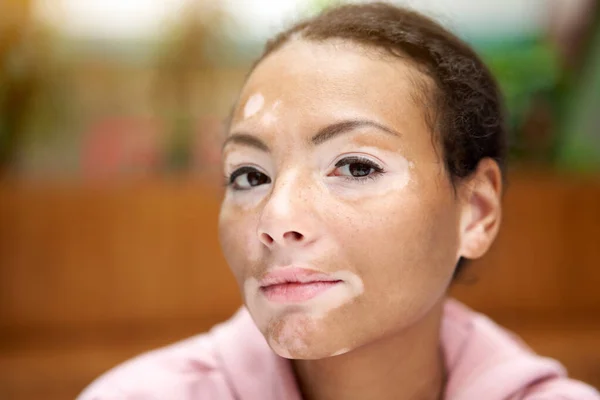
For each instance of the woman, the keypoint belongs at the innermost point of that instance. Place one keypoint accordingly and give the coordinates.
(364, 163)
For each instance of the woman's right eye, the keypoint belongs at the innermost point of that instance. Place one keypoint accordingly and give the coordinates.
(246, 178)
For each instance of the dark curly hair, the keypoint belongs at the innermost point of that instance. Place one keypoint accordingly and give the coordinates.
(464, 106)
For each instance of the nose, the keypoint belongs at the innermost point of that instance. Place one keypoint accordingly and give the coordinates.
(287, 219)
(289, 238)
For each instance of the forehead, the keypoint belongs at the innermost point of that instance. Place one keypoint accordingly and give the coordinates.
(317, 78)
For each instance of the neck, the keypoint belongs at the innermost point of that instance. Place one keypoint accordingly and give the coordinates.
(406, 365)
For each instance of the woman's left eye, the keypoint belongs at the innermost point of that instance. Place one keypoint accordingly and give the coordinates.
(357, 168)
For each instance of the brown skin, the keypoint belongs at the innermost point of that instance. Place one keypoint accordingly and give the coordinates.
(402, 242)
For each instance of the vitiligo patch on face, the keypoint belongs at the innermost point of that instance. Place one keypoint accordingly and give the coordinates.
(270, 117)
(279, 322)
(398, 176)
(340, 352)
(288, 339)
(254, 104)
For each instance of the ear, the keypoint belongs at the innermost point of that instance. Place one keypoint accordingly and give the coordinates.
(481, 213)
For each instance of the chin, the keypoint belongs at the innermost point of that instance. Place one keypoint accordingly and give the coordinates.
(299, 336)
(305, 353)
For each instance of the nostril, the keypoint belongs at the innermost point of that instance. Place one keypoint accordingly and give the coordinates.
(266, 238)
(293, 235)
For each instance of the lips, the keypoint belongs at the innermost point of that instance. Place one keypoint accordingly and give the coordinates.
(295, 285)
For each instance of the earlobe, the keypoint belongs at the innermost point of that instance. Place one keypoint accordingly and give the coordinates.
(481, 210)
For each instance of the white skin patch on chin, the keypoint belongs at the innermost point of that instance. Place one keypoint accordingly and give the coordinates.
(340, 352)
(254, 104)
(288, 326)
(288, 338)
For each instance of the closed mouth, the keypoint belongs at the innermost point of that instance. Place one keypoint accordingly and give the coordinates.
(293, 285)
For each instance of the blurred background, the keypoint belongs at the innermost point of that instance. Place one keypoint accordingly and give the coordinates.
(110, 118)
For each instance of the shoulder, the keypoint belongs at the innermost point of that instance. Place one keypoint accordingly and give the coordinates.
(485, 360)
(560, 388)
(172, 372)
(190, 369)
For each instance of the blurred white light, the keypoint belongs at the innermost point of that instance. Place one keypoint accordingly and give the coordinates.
(259, 19)
(512, 17)
(112, 19)
(262, 18)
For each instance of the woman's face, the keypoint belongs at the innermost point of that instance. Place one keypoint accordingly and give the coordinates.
(339, 223)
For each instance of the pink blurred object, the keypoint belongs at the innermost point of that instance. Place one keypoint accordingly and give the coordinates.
(206, 152)
(122, 146)
(233, 361)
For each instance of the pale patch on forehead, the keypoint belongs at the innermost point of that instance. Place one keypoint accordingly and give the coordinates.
(270, 117)
(254, 104)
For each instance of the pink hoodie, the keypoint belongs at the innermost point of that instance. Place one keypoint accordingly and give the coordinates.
(233, 362)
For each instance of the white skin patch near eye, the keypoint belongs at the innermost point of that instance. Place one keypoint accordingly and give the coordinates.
(254, 104)
(396, 177)
(247, 200)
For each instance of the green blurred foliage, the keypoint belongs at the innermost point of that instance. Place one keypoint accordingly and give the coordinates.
(32, 92)
(580, 126)
(527, 70)
(523, 68)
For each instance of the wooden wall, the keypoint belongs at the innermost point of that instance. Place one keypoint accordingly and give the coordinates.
(92, 275)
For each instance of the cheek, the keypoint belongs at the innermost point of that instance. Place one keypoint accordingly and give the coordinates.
(402, 245)
(237, 235)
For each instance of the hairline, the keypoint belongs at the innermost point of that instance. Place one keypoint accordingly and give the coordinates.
(425, 93)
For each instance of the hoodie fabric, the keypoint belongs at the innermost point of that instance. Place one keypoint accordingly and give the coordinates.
(234, 362)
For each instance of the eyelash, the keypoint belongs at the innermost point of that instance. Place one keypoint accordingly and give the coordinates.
(230, 180)
(239, 172)
(378, 170)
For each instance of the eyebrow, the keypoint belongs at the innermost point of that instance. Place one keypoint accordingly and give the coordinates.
(327, 133)
(248, 140)
(333, 130)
